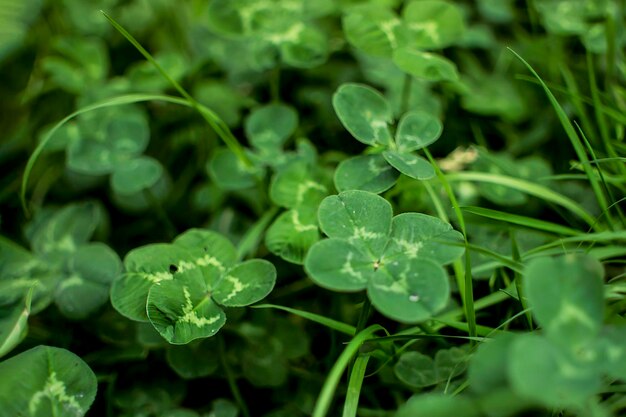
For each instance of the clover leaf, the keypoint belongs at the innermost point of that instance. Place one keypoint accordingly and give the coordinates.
(399, 260)
(433, 24)
(80, 64)
(367, 114)
(46, 381)
(367, 173)
(267, 128)
(181, 287)
(108, 138)
(299, 188)
(63, 267)
(268, 349)
(283, 27)
(374, 29)
(425, 65)
(419, 370)
(564, 365)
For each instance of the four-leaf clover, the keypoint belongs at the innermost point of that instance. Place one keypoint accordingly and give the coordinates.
(399, 260)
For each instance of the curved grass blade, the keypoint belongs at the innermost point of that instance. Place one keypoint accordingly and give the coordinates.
(115, 101)
(220, 127)
(325, 321)
(571, 134)
(530, 188)
(522, 221)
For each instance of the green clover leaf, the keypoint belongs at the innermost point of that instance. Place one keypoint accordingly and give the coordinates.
(46, 381)
(366, 114)
(425, 65)
(300, 188)
(419, 370)
(181, 287)
(367, 173)
(63, 267)
(108, 138)
(567, 297)
(399, 260)
(267, 128)
(283, 26)
(374, 29)
(433, 24)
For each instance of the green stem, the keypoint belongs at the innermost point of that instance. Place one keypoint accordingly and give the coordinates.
(366, 310)
(232, 382)
(275, 84)
(406, 93)
(170, 229)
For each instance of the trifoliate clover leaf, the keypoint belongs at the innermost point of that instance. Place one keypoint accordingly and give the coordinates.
(63, 266)
(366, 114)
(109, 137)
(267, 128)
(284, 27)
(419, 370)
(181, 287)
(398, 260)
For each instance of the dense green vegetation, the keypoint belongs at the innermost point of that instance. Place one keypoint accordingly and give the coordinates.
(375, 208)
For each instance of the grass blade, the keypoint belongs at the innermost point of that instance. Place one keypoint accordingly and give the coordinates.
(334, 376)
(325, 321)
(354, 386)
(571, 134)
(464, 275)
(522, 221)
(530, 188)
(115, 101)
(211, 117)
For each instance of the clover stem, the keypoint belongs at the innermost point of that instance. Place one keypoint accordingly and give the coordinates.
(275, 84)
(365, 314)
(366, 310)
(170, 229)
(406, 93)
(232, 382)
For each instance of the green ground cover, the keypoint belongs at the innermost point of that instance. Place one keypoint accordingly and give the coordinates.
(374, 208)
